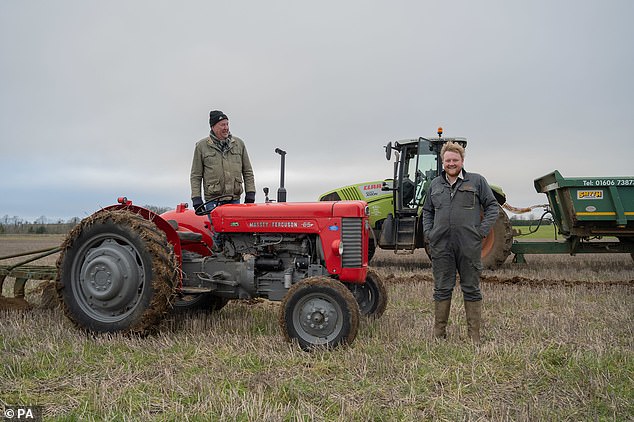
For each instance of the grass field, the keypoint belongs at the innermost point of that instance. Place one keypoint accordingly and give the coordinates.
(544, 232)
(558, 344)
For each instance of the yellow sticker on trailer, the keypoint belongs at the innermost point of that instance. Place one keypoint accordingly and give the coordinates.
(590, 194)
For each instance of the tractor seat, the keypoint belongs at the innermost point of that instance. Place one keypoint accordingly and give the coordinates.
(185, 236)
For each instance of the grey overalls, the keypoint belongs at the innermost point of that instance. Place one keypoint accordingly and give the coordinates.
(454, 226)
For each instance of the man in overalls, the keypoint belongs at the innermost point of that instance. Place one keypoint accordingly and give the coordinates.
(458, 212)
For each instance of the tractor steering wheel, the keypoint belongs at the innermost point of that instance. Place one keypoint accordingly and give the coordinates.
(202, 209)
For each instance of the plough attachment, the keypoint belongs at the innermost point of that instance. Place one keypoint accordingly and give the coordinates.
(23, 285)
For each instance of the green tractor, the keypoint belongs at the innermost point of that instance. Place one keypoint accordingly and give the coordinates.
(396, 204)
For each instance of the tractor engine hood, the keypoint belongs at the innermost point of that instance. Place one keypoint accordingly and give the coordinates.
(288, 217)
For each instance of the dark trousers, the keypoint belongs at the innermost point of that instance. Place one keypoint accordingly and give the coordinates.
(455, 257)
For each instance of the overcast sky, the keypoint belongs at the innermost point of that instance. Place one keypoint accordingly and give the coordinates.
(107, 98)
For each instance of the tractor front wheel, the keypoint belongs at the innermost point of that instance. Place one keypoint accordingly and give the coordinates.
(319, 312)
(371, 249)
(116, 273)
(371, 296)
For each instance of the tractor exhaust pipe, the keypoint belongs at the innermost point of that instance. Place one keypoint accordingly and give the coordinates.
(281, 192)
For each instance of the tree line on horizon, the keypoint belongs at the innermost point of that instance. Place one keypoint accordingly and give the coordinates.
(45, 225)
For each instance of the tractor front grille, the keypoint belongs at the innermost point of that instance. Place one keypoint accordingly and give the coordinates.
(352, 238)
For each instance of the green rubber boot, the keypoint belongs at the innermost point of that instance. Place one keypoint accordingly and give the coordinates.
(441, 316)
(474, 317)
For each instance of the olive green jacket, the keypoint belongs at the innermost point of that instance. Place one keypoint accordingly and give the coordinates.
(221, 173)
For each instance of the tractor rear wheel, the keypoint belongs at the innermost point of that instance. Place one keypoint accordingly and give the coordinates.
(496, 247)
(116, 273)
(319, 312)
(371, 296)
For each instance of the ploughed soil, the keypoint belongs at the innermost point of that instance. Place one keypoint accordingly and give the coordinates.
(591, 270)
(14, 244)
(12, 303)
(515, 280)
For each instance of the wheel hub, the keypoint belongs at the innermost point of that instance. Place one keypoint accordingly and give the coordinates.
(110, 277)
(318, 317)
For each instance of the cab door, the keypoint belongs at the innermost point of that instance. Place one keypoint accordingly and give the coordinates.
(417, 167)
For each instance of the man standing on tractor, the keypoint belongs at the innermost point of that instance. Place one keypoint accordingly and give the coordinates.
(221, 166)
(454, 227)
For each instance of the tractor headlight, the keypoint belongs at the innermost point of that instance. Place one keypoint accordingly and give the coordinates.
(337, 247)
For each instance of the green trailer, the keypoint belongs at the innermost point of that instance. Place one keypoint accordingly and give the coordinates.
(593, 215)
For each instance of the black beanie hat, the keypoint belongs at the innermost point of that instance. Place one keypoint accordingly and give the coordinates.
(215, 116)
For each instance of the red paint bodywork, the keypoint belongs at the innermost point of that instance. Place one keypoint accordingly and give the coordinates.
(323, 218)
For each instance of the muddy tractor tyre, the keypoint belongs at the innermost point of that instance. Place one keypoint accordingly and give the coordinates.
(496, 247)
(116, 273)
(202, 302)
(319, 312)
(371, 249)
(370, 296)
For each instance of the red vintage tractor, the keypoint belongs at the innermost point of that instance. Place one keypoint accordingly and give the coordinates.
(123, 268)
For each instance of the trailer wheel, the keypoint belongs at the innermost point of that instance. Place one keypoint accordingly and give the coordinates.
(203, 301)
(116, 273)
(496, 247)
(319, 312)
(370, 296)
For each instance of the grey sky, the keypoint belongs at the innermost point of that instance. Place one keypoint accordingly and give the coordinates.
(107, 98)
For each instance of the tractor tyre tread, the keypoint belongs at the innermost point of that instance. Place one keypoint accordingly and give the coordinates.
(328, 286)
(162, 264)
(502, 236)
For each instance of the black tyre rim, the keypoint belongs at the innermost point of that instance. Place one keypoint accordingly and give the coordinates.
(366, 296)
(371, 296)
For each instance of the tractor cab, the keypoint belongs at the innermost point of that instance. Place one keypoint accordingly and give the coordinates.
(417, 161)
(395, 204)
